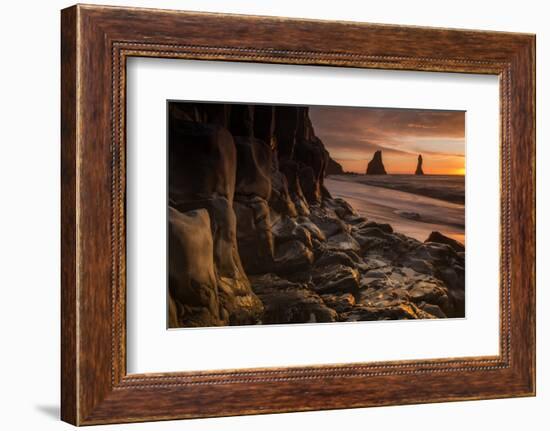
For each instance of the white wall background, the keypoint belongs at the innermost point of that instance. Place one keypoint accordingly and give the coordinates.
(29, 214)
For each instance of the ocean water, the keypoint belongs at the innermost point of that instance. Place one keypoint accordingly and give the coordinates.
(406, 202)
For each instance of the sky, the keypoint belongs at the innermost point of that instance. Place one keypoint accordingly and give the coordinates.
(352, 135)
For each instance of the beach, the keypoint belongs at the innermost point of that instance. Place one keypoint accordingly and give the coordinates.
(403, 201)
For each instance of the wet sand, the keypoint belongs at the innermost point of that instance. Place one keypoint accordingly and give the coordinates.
(412, 214)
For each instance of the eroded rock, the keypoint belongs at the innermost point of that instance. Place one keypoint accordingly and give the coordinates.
(375, 166)
(335, 278)
(288, 302)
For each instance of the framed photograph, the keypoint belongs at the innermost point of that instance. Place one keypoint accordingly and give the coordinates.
(267, 215)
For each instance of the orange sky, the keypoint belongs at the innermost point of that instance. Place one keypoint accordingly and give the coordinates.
(352, 135)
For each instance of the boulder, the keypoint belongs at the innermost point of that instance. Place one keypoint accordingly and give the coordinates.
(330, 257)
(339, 302)
(292, 256)
(442, 239)
(287, 229)
(335, 278)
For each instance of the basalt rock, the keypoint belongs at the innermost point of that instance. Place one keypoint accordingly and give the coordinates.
(419, 170)
(255, 237)
(333, 167)
(290, 302)
(375, 166)
(253, 191)
(194, 298)
(442, 239)
(202, 175)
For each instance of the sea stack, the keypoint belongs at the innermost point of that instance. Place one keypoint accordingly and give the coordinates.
(419, 170)
(375, 166)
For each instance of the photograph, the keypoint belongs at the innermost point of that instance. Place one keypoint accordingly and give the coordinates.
(285, 214)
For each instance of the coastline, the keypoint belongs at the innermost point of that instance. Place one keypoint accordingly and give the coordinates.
(449, 188)
(411, 213)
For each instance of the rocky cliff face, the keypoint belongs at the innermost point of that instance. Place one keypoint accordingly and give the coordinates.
(333, 167)
(375, 166)
(254, 236)
(419, 170)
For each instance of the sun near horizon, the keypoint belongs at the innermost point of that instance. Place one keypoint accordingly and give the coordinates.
(353, 134)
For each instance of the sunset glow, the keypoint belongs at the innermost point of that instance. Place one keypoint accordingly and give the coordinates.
(352, 135)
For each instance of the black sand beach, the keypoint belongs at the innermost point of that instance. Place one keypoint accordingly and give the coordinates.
(413, 205)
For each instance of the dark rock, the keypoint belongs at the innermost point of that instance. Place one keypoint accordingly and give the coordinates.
(287, 229)
(192, 282)
(292, 256)
(202, 162)
(339, 302)
(356, 220)
(330, 257)
(409, 215)
(420, 265)
(375, 166)
(174, 314)
(288, 302)
(313, 229)
(286, 124)
(202, 174)
(253, 190)
(280, 200)
(341, 208)
(313, 158)
(335, 279)
(241, 120)
(384, 227)
(253, 168)
(333, 167)
(254, 235)
(401, 311)
(442, 239)
(419, 170)
(264, 124)
(344, 242)
(434, 310)
(431, 292)
(328, 225)
(290, 169)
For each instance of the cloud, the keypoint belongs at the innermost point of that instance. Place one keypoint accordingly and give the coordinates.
(354, 134)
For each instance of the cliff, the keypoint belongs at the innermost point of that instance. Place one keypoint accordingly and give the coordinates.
(333, 167)
(255, 237)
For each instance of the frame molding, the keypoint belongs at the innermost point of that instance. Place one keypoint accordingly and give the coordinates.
(96, 41)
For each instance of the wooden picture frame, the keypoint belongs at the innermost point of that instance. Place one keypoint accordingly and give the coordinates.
(96, 41)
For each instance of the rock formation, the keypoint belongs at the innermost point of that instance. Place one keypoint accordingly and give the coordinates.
(255, 237)
(375, 166)
(333, 167)
(419, 170)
